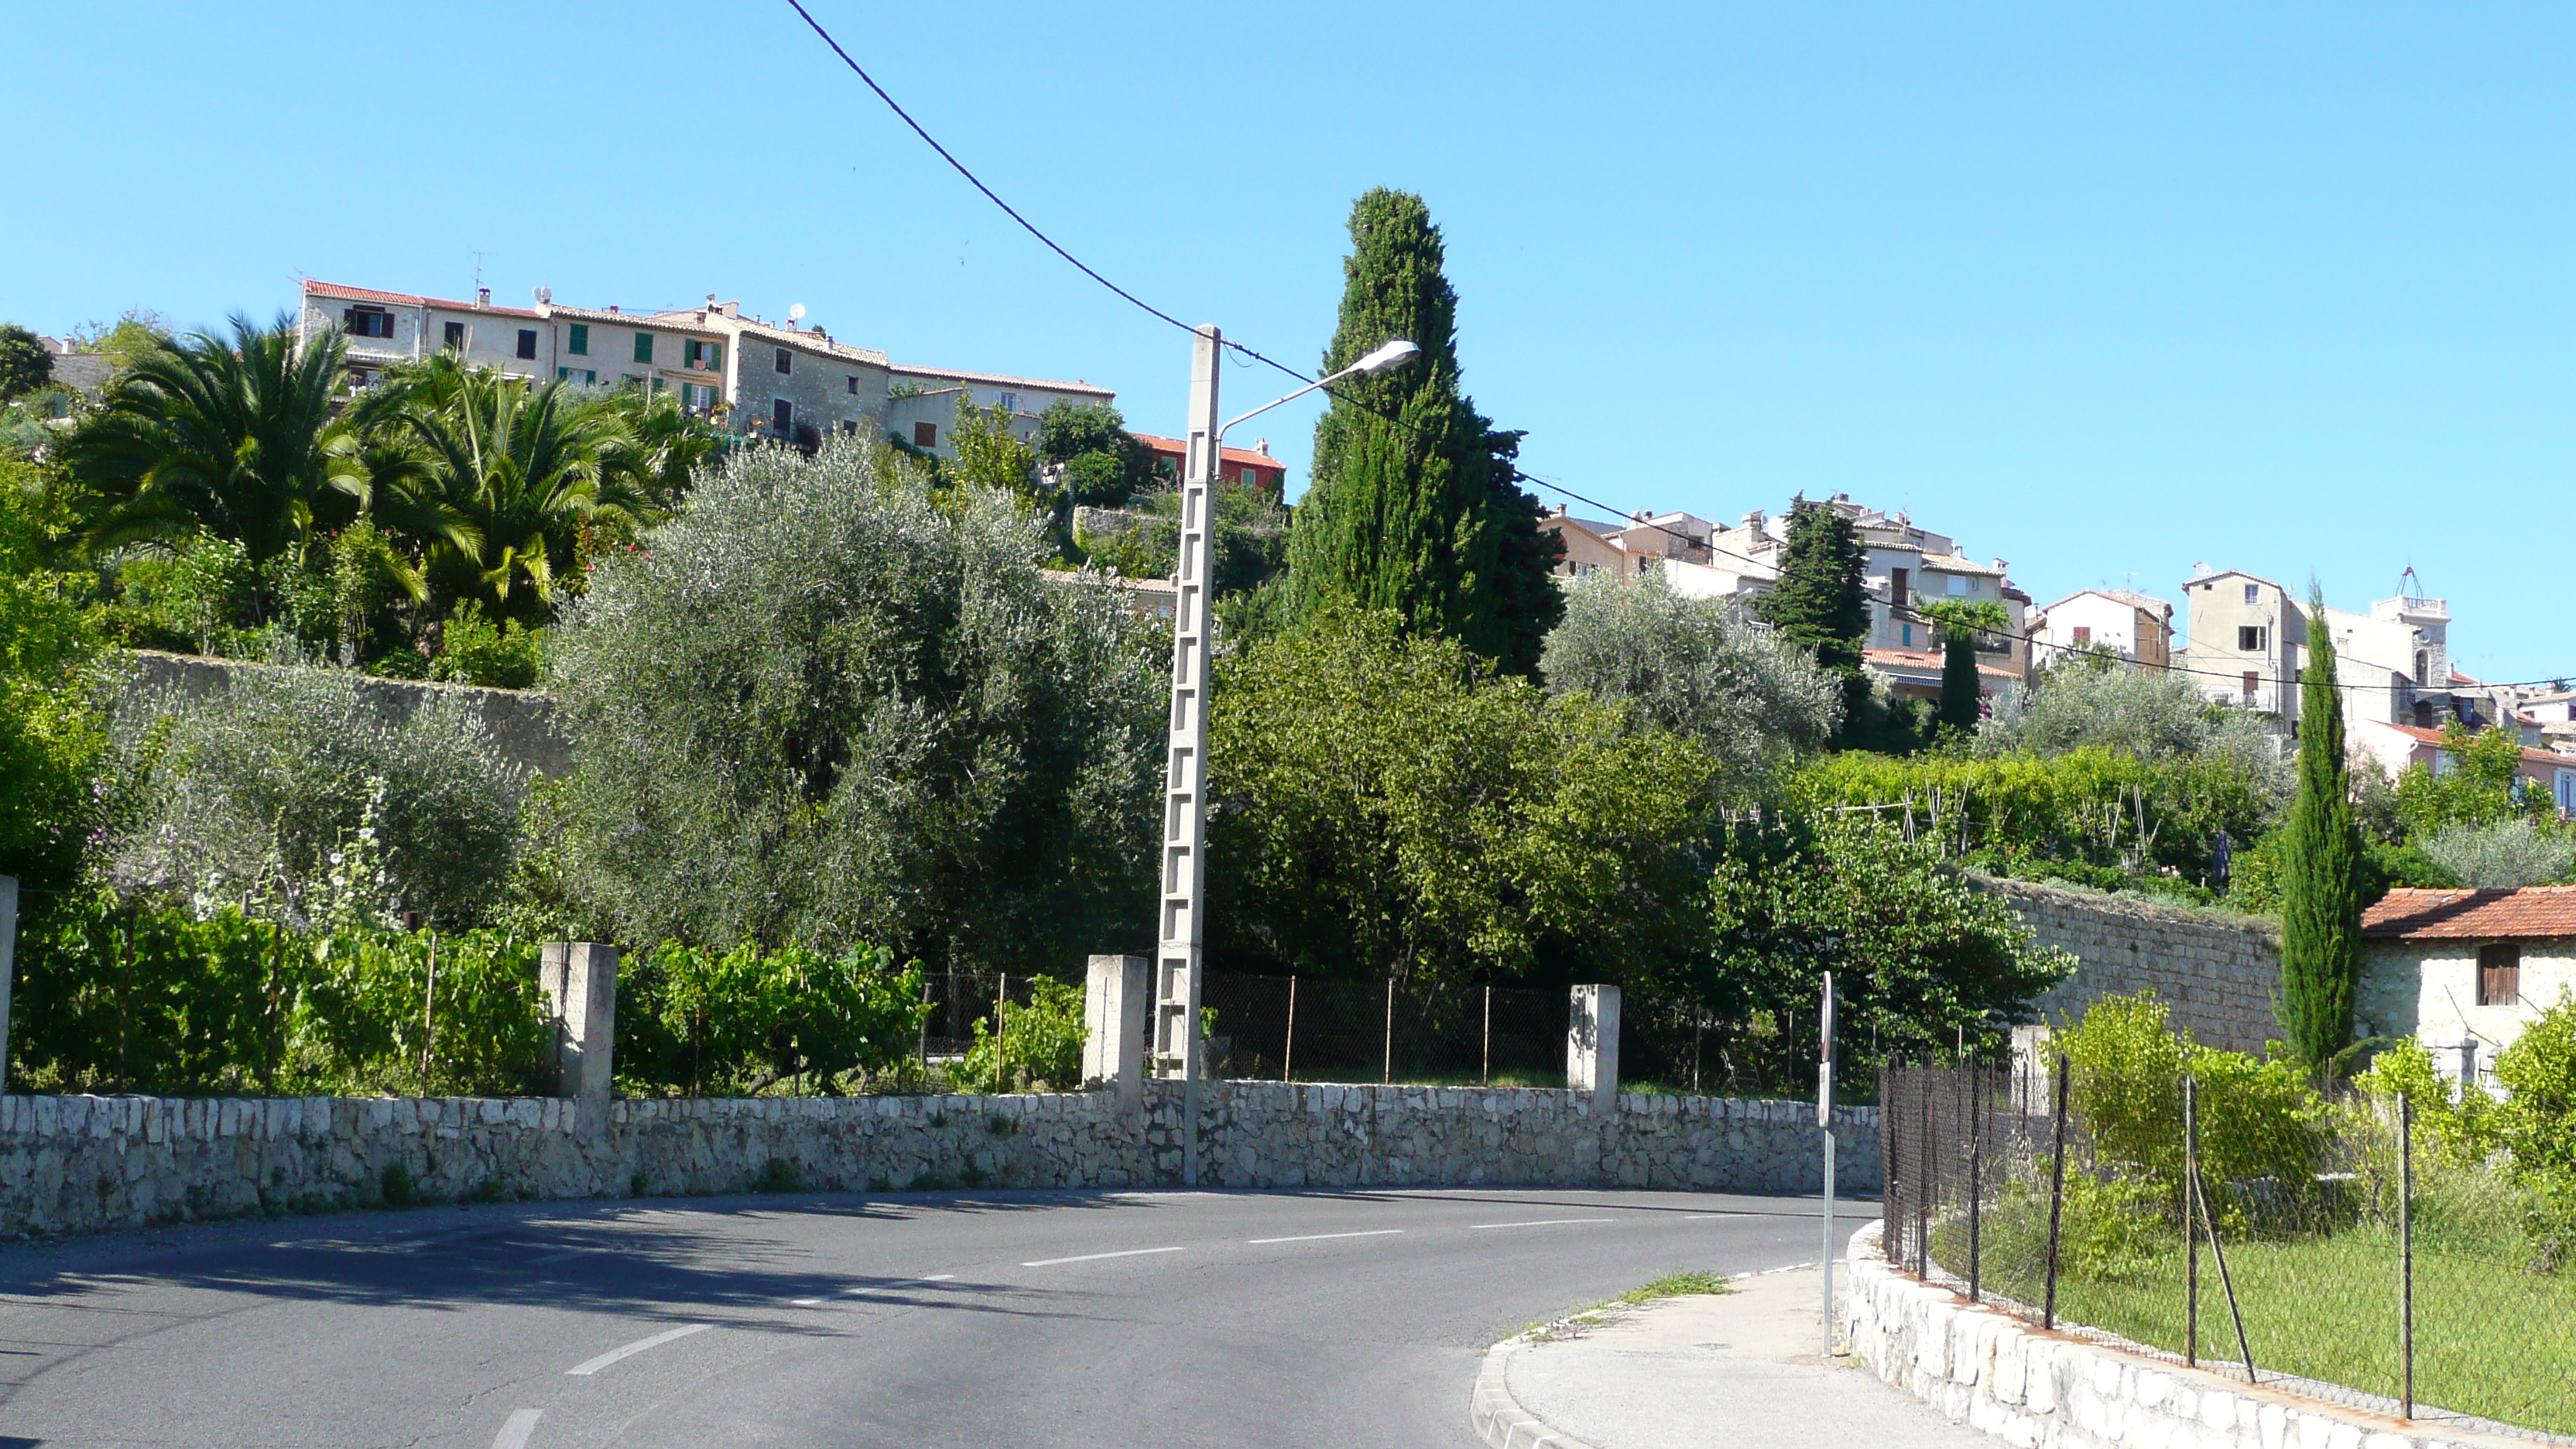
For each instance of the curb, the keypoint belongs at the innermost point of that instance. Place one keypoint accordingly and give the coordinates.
(1499, 1419)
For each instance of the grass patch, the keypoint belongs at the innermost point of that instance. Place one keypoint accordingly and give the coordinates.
(1592, 1315)
(2492, 1338)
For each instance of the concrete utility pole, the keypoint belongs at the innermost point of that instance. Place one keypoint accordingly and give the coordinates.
(1176, 963)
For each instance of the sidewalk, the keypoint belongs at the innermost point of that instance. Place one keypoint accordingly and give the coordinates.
(1738, 1370)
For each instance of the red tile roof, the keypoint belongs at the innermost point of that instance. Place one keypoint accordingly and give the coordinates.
(1177, 449)
(368, 294)
(1929, 660)
(2408, 914)
(2529, 755)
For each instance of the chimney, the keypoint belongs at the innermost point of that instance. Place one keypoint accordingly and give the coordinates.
(482, 296)
(1261, 446)
(1753, 521)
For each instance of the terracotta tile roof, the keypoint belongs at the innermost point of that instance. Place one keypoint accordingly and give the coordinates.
(1177, 449)
(2434, 737)
(2408, 914)
(997, 378)
(369, 294)
(1928, 660)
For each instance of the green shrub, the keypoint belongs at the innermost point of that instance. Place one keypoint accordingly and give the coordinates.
(2463, 1132)
(495, 654)
(2538, 1125)
(1040, 1042)
(710, 1023)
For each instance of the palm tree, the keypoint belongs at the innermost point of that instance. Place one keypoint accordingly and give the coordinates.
(232, 437)
(500, 479)
(668, 446)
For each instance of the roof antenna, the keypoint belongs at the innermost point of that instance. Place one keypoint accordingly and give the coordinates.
(478, 271)
(2407, 578)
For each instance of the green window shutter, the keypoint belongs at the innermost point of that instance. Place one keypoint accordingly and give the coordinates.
(580, 339)
(643, 347)
(563, 374)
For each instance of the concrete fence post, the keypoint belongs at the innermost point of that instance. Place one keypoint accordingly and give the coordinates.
(1116, 1001)
(8, 965)
(579, 979)
(1592, 1044)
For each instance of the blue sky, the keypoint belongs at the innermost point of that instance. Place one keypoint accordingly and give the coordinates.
(2102, 290)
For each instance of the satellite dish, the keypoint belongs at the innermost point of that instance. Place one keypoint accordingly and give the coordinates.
(796, 313)
(545, 294)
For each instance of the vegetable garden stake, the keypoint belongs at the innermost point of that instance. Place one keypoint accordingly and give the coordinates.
(429, 1015)
(1288, 1054)
(2056, 1197)
(1386, 1071)
(1485, 1075)
(2218, 1250)
(2406, 1255)
(2190, 1224)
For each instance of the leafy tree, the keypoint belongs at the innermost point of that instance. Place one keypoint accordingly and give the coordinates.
(233, 436)
(1407, 510)
(259, 793)
(1918, 953)
(2321, 871)
(500, 479)
(2501, 855)
(664, 446)
(2479, 784)
(1386, 804)
(49, 727)
(1251, 539)
(138, 333)
(1104, 464)
(2149, 714)
(26, 364)
(1821, 605)
(1697, 668)
(1962, 691)
(823, 706)
(989, 454)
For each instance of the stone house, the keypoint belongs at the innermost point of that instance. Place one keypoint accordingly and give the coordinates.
(2134, 626)
(2248, 638)
(2464, 972)
(1252, 467)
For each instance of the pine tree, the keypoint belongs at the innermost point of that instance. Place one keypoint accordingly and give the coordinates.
(2321, 870)
(1821, 604)
(1408, 509)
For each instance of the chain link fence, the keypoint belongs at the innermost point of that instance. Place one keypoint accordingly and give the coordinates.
(2241, 1224)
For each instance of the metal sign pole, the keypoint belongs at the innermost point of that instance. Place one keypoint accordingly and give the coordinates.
(1176, 965)
(1825, 1121)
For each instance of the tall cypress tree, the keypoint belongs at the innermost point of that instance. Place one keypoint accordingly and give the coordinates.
(1960, 690)
(1413, 506)
(1821, 603)
(2321, 870)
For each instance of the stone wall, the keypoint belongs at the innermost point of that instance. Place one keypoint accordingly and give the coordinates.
(75, 1163)
(2218, 972)
(521, 722)
(2042, 1390)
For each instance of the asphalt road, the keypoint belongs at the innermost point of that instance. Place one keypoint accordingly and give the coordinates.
(990, 1320)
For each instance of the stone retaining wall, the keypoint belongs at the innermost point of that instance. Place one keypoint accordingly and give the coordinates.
(2042, 1390)
(2219, 973)
(69, 1164)
(521, 722)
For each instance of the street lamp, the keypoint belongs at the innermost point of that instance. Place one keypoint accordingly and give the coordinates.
(1183, 886)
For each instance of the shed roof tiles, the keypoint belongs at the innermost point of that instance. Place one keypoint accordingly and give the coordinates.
(2411, 914)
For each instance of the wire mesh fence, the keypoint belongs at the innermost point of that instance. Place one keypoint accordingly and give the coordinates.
(1303, 1028)
(2238, 1223)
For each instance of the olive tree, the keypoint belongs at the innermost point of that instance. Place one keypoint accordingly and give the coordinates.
(824, 705)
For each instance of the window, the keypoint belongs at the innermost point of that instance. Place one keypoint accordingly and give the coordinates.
(705, 356)
(782, 359)
(925, 435)
(2249, 638)
(848, 426)
(1908, 632)
(2083, 633)
(582, 375)
(854, 385)
(579, 343)
(527, 342)
(780, 414)
(697, 396)
(2566, 792)
(1958, 585)
(643, 347)
(1010, 402)
(2251, 680)
(1900, 589)
(2499, 974)
(452, 336)
(368, 322)
(2253, 593)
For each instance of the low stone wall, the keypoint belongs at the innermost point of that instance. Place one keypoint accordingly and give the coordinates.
(2040, 1390)
(521, 722)
(69, 1164)
(2218, 973)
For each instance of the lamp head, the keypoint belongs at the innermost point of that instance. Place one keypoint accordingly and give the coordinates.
(1392, 354)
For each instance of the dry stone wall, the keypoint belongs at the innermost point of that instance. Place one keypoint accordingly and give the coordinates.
(521, 722)
(70, 1164)
(2219, 973)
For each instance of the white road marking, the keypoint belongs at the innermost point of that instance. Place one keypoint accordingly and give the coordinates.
(1089, 1257)
(899, 1283)
(1319, 1237)
(638, 1346)
(1540, 1223)
(516, 1429)
(804, 1302)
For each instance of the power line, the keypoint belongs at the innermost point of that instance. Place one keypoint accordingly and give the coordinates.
(1160, 315)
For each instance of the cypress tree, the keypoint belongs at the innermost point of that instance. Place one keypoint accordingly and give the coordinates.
(1413, 506)
(1821, 604)
(1959, 687)
(2321, 870)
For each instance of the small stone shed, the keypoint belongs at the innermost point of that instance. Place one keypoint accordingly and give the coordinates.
(2465, 971)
